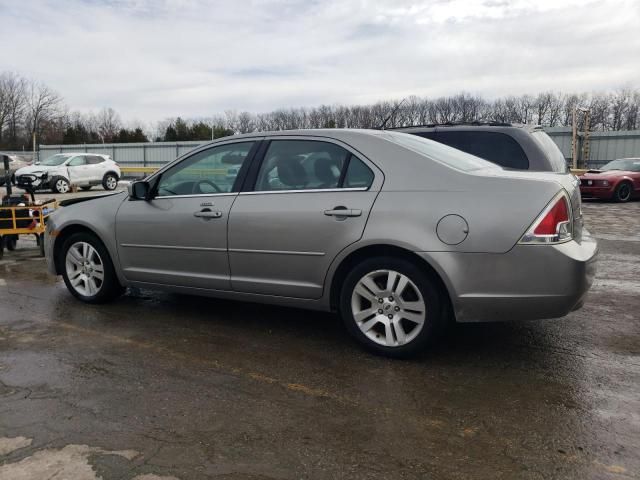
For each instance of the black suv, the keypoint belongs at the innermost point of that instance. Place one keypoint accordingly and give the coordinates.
(520, 147)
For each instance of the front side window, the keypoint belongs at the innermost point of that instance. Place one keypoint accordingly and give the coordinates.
(310, 165)
(77, 161)
(207, 172)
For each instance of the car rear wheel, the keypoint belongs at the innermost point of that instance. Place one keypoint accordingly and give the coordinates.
(623, 192)
(87, 269)
(110, 181)
(61, 185)
(391, 306)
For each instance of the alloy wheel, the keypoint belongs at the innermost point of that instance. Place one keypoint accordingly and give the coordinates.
(111, 182)
(85, 269)
(388, 308)
(62, 186)
(624, 192)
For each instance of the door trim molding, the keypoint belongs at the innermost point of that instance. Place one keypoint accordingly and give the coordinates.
(172, 247)
(277, 252)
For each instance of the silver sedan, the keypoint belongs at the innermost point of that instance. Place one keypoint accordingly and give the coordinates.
(397, 233)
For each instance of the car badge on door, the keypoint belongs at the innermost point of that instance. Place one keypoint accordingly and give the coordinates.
(206, 204)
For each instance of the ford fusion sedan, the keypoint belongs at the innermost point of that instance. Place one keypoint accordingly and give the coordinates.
(60, 171)
(397, 233)
(618, 180)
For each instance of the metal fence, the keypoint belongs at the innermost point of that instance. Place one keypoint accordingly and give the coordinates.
(605, 146)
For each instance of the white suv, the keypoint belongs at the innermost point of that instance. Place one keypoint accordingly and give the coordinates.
(62, 170)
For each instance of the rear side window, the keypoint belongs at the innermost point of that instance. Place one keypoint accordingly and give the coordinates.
(77, 161)
(311, 165)
(496, 147)
(94, 159)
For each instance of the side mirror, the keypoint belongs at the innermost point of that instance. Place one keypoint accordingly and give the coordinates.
(138, 190)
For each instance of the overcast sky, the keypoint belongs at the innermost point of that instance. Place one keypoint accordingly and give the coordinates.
(153, 59)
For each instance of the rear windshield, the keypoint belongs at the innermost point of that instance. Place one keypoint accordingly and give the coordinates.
(440, 153)
(551, 151)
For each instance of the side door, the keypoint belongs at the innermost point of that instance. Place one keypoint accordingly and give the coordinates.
(309, 200)
(77, 169)
(95, 168)
(179, 236)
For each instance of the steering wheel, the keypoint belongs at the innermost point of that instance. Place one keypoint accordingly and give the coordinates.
(196, 186)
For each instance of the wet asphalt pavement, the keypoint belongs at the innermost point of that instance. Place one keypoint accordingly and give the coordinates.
(159, 386)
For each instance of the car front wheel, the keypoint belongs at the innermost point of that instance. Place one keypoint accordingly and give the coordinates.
(110, 181)
(87, 269)
(391, 306)
(61, 185)
(623, 192)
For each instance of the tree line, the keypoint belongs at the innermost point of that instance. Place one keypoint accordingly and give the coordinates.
(28, 106)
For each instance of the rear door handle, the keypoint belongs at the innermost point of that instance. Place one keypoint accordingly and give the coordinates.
(343, 212)
(207, 213)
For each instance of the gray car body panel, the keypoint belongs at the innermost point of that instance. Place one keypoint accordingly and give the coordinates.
(282, 249)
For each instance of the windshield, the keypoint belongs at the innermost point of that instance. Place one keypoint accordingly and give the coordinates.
(54, 161)
(441, 153)
(628, 164)
(551, 151)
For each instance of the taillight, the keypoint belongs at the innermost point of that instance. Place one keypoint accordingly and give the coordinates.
(554, 225)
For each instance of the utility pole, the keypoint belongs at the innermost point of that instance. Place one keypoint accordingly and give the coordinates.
(574, 140)
(583, 153)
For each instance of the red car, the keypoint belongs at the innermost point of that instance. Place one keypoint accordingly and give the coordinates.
(618, 180)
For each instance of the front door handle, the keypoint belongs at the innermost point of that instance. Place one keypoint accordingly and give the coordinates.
(343, 212)
(206, 213)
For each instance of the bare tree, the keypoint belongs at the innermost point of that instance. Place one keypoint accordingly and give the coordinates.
(107, 123)
(42, 104)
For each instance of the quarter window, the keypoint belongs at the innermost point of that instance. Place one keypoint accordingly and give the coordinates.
(310, 165)
(207, 172)
(358, 174)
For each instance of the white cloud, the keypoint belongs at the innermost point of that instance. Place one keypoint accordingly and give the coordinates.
(153, 59)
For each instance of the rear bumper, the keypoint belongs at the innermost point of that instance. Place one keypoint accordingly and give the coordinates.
(529, 282)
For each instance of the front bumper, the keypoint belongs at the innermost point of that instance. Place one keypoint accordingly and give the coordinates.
(528, 282)
(596, 192)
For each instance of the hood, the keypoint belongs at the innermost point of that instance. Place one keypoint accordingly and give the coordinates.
(595, 174)
(73, 201)
(38, 169)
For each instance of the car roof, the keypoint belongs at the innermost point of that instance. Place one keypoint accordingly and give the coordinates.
(478, 126)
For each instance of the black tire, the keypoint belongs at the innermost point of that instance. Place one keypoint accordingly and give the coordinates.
(432, 295)
(110, 181)
(1, 247)
(86, 189)
(40, 241)
(11, 242)
(623, 193)
(110, 288)
(57, 188)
